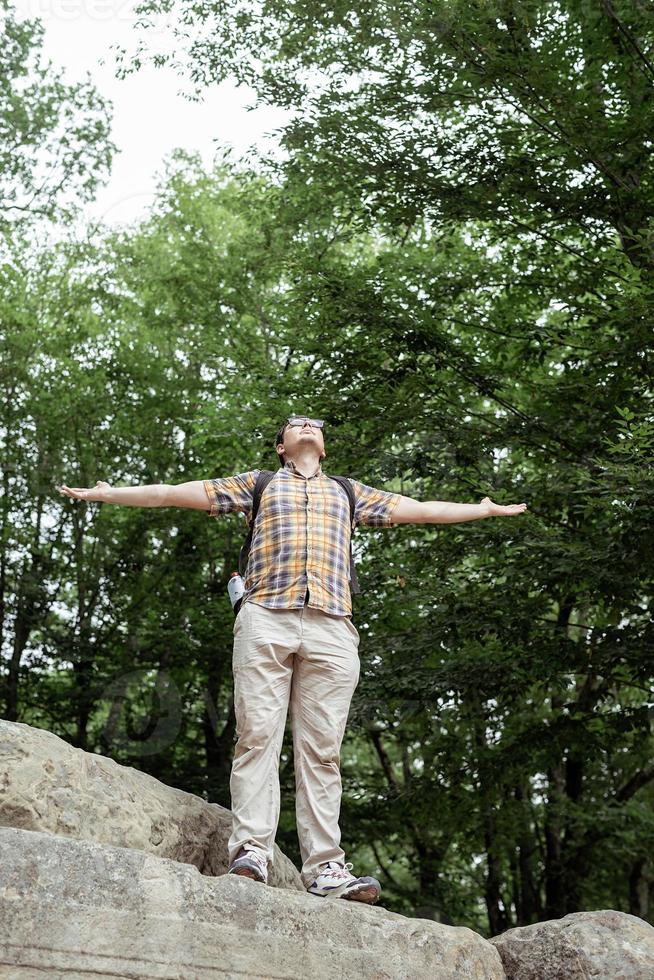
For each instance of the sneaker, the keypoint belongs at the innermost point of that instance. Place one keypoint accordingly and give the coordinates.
(249, 864)
(335, 881)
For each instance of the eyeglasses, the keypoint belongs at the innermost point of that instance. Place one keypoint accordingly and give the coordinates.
(301, 419)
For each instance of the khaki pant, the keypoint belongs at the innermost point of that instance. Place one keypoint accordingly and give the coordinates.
(308, 659)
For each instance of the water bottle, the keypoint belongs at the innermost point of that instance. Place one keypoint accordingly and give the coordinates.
(236, 591)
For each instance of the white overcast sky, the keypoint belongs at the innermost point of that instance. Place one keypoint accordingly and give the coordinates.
(150, 117)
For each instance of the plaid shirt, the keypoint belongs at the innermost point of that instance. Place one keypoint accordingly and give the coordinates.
(301, 537)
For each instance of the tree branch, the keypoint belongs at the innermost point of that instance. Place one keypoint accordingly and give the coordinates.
(637, 781)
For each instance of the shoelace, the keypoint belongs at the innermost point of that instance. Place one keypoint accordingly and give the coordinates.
(337, 871)
(263, 864)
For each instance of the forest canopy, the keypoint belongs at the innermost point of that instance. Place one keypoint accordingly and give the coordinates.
(451, 263)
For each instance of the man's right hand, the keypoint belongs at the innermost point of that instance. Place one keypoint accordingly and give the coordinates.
(98, 492)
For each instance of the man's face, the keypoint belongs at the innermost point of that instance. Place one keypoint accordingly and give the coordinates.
(298, 438)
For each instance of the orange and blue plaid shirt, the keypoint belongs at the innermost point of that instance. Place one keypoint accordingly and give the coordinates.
(301, 537)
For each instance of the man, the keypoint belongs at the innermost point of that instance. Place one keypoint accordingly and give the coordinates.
(295, 645)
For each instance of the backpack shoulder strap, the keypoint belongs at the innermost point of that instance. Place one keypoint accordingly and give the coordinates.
(349, 489)
(264, 478)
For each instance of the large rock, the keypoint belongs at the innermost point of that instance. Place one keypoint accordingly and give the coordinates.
(602, 945)
(78, 909)
(47, 784)
(99, 876)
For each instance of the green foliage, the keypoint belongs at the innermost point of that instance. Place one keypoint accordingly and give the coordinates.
(54, 137)
(453, 267)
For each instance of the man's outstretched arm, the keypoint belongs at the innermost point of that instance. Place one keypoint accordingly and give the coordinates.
(410, 511)
(191, 494)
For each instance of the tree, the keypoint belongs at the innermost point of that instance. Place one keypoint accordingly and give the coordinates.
(54, 137)
(448, 265)
(503, 334)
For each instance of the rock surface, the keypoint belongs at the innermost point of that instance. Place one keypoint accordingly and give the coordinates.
(602, 945)
(83, 910)
(47, 784)
(107, 872)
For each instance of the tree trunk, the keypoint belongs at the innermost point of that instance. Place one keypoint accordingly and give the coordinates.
(497, 916)
(640, 883)
(555, 903)
(528, 905)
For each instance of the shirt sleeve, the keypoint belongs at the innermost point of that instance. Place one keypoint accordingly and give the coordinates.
(373, 507)
(231, 493)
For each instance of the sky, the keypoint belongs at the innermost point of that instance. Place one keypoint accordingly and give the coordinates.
(150, 116)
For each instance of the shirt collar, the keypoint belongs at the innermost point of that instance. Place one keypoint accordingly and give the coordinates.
(290, 465)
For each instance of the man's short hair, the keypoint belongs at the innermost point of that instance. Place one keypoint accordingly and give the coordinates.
(280, 438)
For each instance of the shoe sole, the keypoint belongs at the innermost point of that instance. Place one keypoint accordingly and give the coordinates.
(246, 873)
(369, 894)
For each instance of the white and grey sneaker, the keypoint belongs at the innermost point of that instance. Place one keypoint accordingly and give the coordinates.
(249, 864)
(335, 881)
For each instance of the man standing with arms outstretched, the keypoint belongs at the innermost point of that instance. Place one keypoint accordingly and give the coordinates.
(295, 645)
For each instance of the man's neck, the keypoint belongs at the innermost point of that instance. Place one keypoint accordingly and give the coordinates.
(306, 463)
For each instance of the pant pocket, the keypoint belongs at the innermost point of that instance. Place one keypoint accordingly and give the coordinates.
(238, 621)
(353, 630)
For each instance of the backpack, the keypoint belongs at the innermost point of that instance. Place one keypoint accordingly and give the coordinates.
(264, 478)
